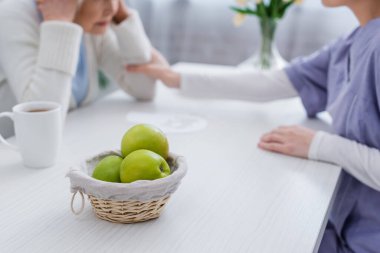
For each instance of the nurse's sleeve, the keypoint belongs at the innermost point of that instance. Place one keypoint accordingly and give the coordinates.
(309, 77)
(359, 160)
(127, 43)
(238, 84)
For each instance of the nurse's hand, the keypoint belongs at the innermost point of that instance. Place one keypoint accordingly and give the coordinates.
(122, 12)
(289, 140)
(62, 10)
(158, 68)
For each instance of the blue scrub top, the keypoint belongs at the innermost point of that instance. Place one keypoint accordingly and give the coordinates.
(344, 79)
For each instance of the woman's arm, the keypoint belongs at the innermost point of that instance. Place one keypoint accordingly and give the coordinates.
(243, 84)
(359, 160)
(38, 61)
(239, 84)
(127, 45)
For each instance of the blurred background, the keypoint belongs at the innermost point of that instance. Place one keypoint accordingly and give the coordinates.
(202, 30)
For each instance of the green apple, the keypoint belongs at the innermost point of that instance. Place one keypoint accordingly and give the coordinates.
(143, 165)
(145, 136)
(108, 169)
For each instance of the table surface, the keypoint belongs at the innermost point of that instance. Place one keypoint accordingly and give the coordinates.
(234, 198)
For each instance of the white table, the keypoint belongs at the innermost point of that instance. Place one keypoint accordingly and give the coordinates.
(235, 197)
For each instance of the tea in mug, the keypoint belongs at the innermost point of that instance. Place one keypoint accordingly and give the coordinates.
(38, 110)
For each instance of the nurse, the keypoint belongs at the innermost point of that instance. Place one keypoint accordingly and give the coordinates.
(344, 79)
(54, 49)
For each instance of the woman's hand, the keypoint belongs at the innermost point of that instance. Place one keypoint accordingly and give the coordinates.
(292, 140)
(122, 12)
(62, 10)
(158, 68)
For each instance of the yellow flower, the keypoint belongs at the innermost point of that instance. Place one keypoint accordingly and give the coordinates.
(239, 19)
(295, 1)
(241, 2)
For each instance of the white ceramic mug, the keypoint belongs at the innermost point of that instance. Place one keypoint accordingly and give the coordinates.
(38, 129)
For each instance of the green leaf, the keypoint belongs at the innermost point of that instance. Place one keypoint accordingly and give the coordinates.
(284, 7)
(274, 6)
(262, 10)
(246, 11)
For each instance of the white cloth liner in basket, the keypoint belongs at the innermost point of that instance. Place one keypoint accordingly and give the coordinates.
(142, 190)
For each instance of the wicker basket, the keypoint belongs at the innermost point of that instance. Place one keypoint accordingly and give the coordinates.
(128, 210)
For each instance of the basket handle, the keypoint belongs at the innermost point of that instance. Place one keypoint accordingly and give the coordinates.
(72, 203)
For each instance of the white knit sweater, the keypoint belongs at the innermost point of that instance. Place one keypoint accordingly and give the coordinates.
(38, 60)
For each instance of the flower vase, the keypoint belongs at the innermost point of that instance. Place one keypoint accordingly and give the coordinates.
(267, 56)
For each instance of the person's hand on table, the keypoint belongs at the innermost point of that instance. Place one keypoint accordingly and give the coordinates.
(158, 68)
(61, 10)
(289, 140)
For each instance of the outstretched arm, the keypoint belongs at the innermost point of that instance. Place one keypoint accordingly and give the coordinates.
(240, 84)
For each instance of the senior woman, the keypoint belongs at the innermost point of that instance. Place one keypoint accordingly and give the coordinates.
(53, 49)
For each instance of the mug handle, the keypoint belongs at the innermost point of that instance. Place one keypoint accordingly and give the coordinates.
(9, 115)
